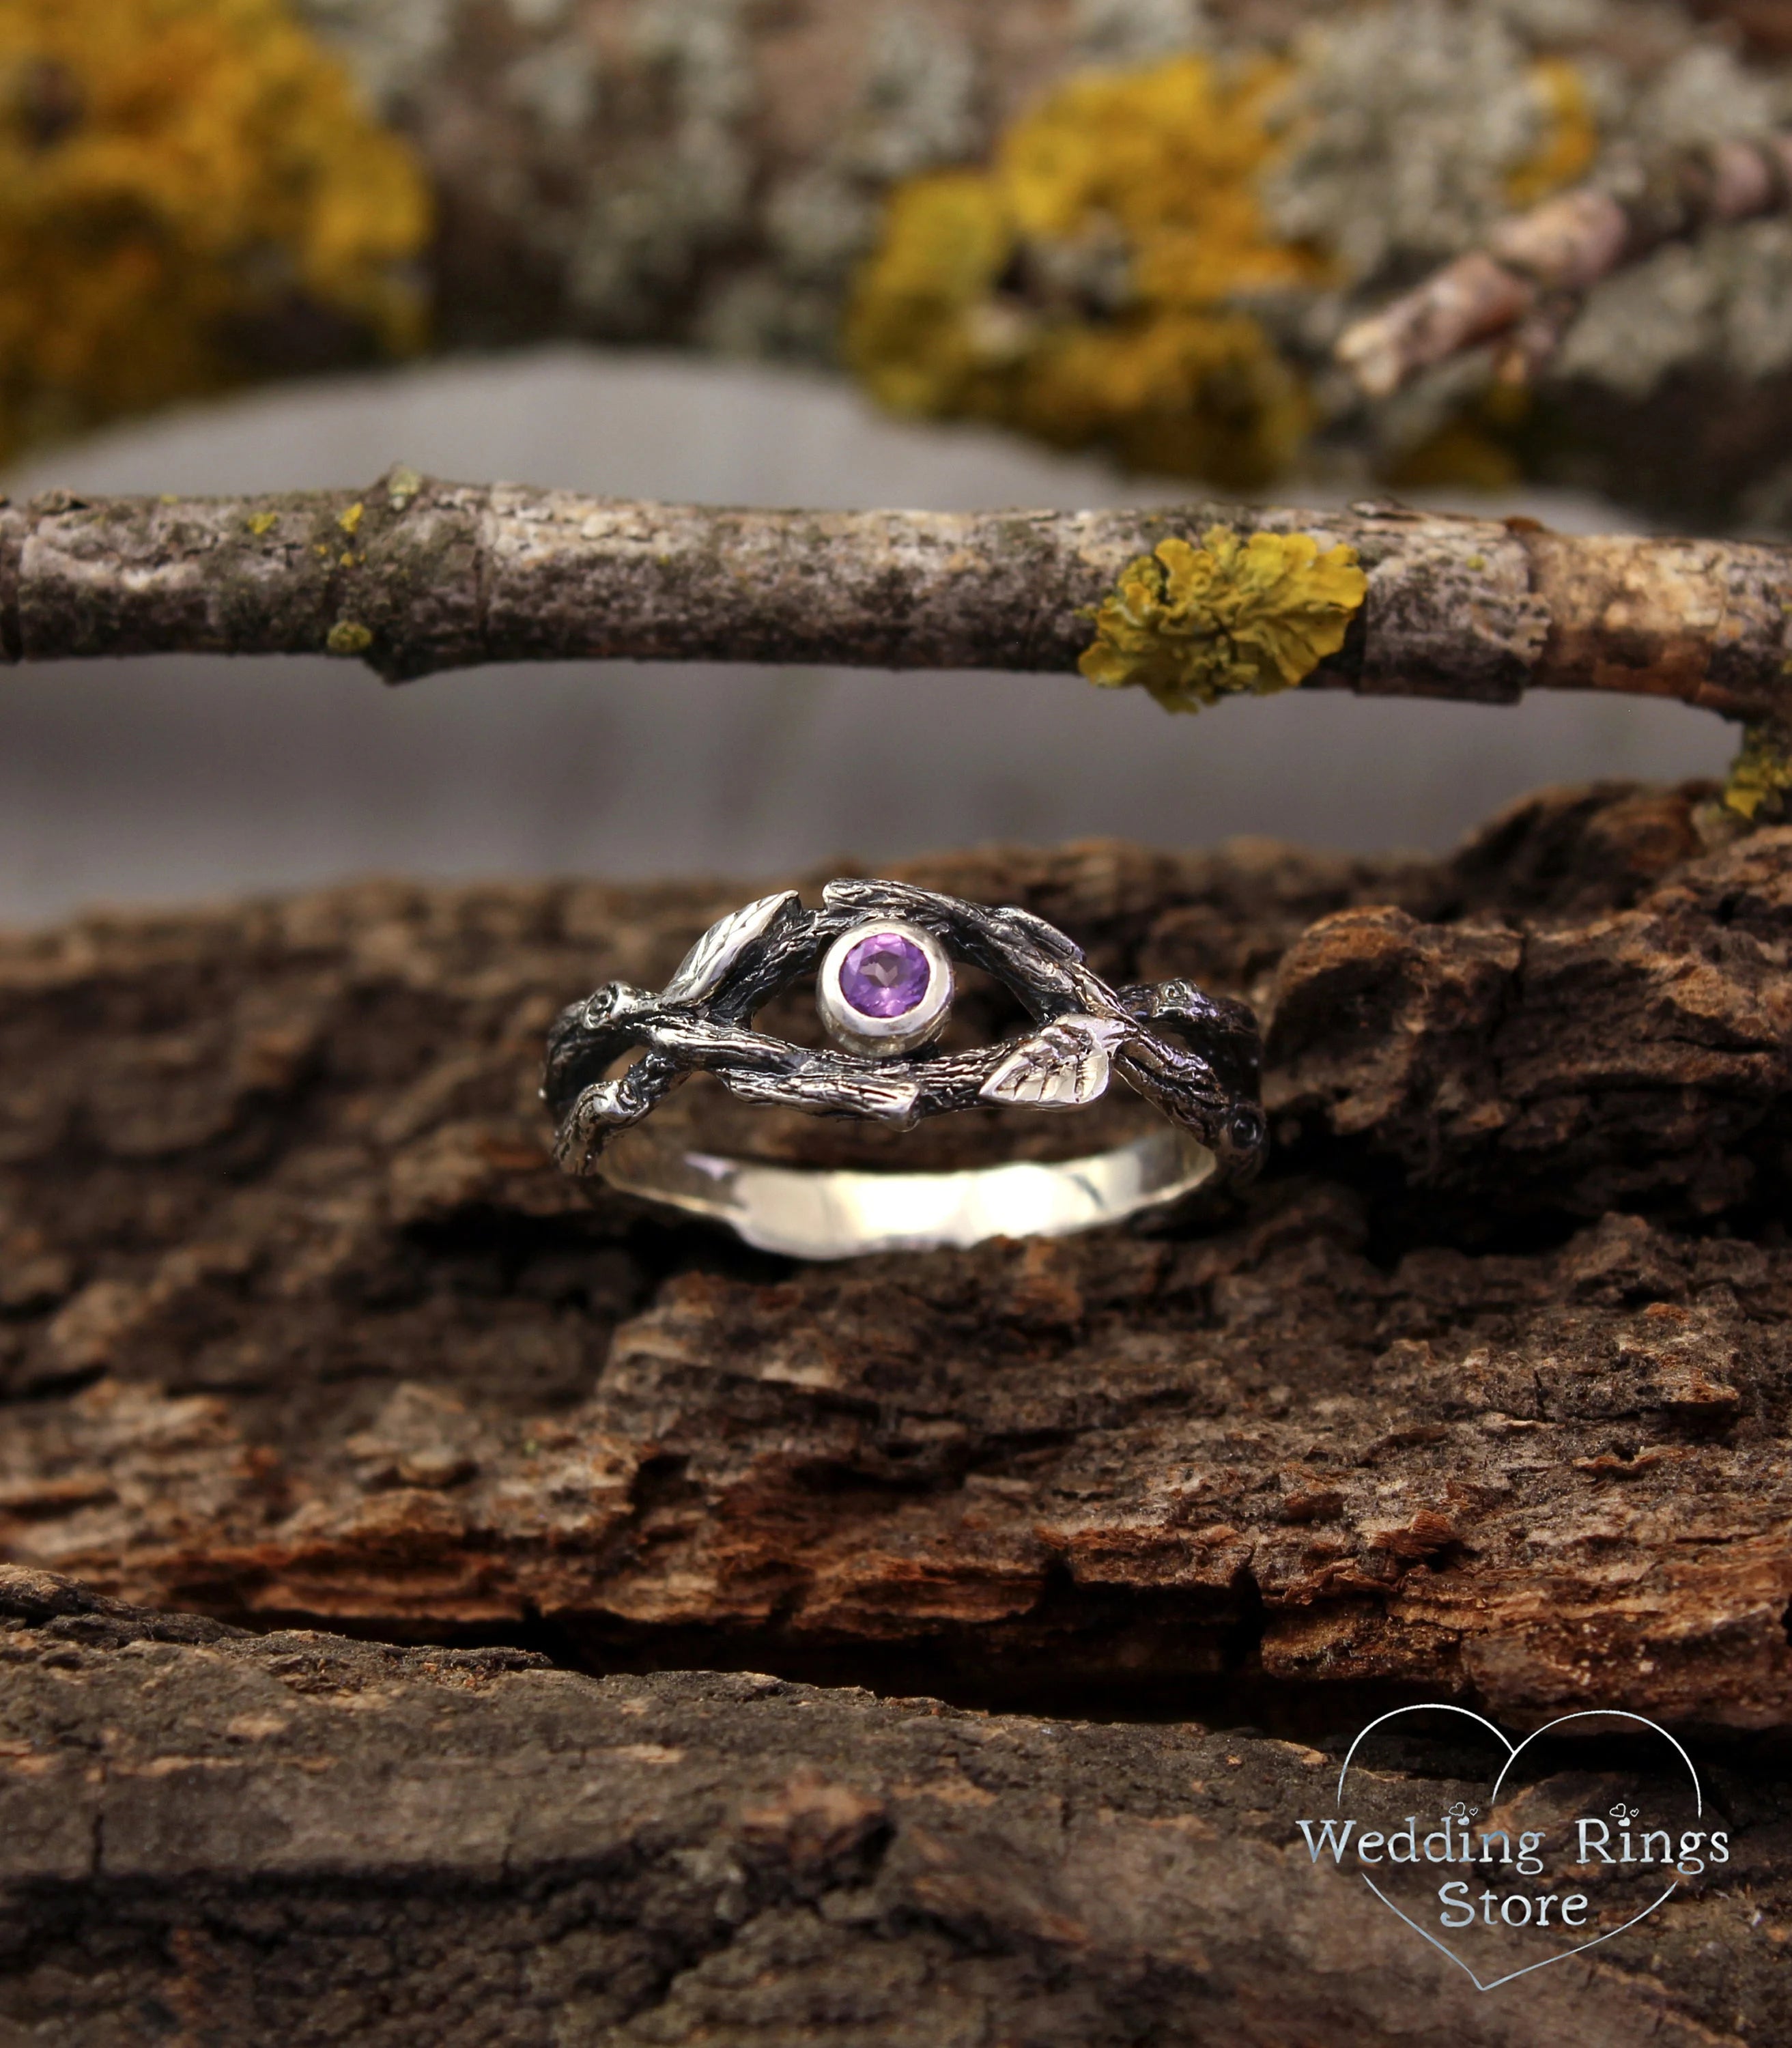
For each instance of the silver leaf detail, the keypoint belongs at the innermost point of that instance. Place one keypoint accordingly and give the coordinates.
(704, 968)
(1064, 1066)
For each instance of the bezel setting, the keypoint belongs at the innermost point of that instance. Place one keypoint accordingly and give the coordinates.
(884, 1038)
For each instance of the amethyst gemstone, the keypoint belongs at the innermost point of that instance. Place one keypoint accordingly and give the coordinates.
(884, 975)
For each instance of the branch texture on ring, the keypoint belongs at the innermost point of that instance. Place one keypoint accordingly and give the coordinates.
(882, 952)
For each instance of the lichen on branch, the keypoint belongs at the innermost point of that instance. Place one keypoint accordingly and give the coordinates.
(1760, 777)
(436, 575)
(1239, 614)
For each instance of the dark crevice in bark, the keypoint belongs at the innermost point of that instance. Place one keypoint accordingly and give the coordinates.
(1115, 1659)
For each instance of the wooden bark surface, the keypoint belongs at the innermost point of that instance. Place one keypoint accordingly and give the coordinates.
(208, 1837)
(416, 576)
(1482, 1391)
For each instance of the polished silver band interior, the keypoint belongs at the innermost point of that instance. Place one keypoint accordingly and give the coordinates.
(882, 956)
(821, 1214)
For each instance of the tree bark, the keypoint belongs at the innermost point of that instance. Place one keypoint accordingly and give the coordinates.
(415, 576)
(208, 1835)
(1482, 1393)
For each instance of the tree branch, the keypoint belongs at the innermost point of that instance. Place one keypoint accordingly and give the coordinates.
(1524, 288)
(415, 576)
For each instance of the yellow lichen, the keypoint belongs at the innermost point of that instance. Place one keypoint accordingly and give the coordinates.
(1570, 138)
(177, 179)
(261, 523)
(1080, 288)
(348, 636)
(1192, 625)
(1761, 774)
(350, 520)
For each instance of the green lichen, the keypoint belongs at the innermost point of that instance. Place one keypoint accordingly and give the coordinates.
(348, 637)
(1761, 774)
(1192, 625)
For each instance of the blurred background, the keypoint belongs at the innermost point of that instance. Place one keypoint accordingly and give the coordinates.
(933, 253)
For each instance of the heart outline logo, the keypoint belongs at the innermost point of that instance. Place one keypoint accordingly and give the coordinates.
(1514, 1750)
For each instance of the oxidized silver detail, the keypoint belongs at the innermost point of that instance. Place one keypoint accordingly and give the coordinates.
(1192, 1057)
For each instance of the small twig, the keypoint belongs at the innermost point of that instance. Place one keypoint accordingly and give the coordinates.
(414, 576)
(1525, 285)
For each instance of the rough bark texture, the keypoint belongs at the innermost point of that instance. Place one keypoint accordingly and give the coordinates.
(206, 1836)
(1483, 1390)
(416, 576)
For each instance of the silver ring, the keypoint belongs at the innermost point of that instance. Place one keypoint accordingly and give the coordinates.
(881, 953)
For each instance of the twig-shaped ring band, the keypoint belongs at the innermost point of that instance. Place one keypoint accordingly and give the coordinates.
(882, 953)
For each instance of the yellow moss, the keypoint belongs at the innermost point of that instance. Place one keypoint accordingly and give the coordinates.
(176, 175)
(348, 636)
(1571, 139)
(1761, 774)
(1080, 287)
(1192, 625)
(262, 523)
(350, 520)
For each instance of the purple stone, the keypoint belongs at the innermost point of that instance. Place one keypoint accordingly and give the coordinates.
(885, 975)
